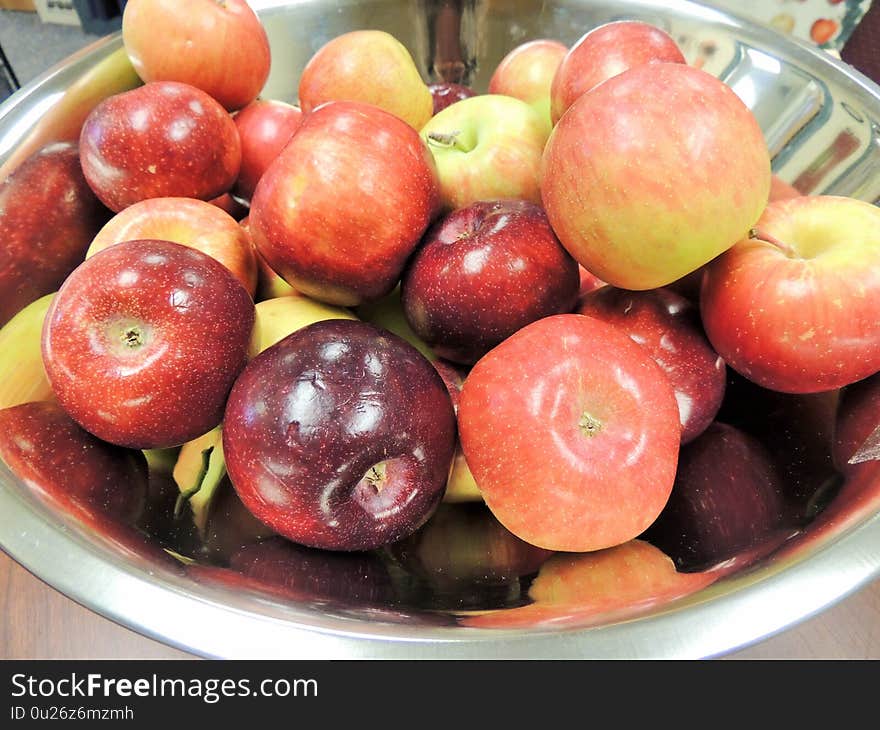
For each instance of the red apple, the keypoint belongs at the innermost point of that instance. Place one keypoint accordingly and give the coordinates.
(264, 127)
(143, 342)
(218, 47)
(48, 216)
(70, 467)
(793, 307)
(653, 174)
(604, 52)
(857, 424)
(368, 66)
(589, 282)
(527, 73)
(187, 221)
(487, 147)
(228, 203)
(269, 284)
(571, 431)
(781, 190)
(163, 139)
(447, 93)
(483, 272)
(669, 326)
(340, 436)
(345, 203)
(728, 498)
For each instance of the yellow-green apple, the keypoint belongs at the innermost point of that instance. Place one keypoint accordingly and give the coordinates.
(22, 375)
(187, 221)
(219, 47)
(143, 341)
(264, 127)
(369, 66)
(727, 499)
(387, 312)
(793, 306)
(631, 175)
(572, 433)
(527, 73)
(604, 52)
(575, 591)
(162, 139)
(276, 318)
(445, 93)
(48, 215)
(467, 559)
(483, 272)
(47, 450)
(340, 210)
(340, 436)
(669, 326)
(486, 148)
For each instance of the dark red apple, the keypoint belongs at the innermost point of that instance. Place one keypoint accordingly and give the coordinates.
(340, 210)
(482, 273)
(669, 326)
(571, 432)
(340, 436)
(445, 93)
(70, 467)
(728, 497)
(857, 424)
(264, 127)
(143, 342)
(48, 217)
(162, 139)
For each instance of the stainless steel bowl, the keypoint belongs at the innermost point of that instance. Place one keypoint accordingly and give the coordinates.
(821, 119)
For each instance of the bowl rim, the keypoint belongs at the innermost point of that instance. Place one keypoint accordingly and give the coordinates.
(728, 615)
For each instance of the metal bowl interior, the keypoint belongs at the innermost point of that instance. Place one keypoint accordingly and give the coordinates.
(821, 121)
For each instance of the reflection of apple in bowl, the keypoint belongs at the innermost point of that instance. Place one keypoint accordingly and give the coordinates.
(572, 603)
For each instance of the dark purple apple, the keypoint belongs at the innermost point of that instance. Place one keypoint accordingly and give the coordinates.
(728, 498)
(144, 340)
(162, 139)
(340, 436)
(669, 326)
(50, 453)
(445, 93)
(483, 272)
(857, 424)
(48, 217)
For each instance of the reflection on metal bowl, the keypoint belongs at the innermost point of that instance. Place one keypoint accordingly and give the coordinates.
(462, 587)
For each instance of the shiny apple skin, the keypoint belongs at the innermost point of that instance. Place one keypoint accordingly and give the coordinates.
(728, 498)
(48, 216)
(264, 127)
(189, 321)
(447, 93)
(344, 205)
(482, 273)
(310, 417)
(162, 139)
(82, 474)
(571, 431)
(604, 52)
(669, 326)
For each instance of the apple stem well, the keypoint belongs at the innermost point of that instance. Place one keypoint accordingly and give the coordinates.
(448, 140)
(589, 425)
(757, 235)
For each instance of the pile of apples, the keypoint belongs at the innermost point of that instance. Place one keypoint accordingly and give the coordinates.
(395, 294)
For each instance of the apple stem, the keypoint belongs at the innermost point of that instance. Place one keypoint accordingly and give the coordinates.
(132, 337)
(445, 139)
(376, 476)
(757, 235)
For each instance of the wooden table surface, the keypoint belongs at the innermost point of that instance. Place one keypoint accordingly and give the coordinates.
(37, 622)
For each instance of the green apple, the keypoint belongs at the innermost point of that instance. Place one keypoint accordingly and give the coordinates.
(487, 147)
